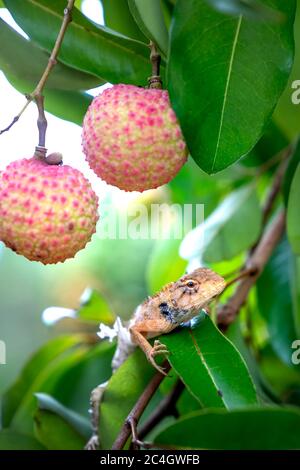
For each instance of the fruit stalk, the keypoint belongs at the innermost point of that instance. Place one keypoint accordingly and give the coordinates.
(155, 80)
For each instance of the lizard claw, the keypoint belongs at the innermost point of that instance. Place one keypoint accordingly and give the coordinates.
(158, 348)
(93, 443)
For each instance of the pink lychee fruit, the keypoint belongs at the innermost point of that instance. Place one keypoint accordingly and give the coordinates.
(132, 139)
(47, 212)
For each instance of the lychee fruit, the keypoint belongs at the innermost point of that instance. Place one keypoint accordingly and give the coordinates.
(132, 139)
(47, 212)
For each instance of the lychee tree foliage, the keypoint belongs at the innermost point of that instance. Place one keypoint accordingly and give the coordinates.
(227, 70)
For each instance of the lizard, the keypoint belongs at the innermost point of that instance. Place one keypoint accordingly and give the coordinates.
(176, 303)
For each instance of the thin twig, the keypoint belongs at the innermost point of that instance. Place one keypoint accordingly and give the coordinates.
(53, 57)
(139, 408)
(256, 261)
(51, 63)
(241, 275)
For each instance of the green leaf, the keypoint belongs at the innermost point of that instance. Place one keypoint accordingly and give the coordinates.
(277, 300)
(252, 8)
(271, 143)
(232, 228)
(17, 53)
(94, 49)
(82, 375)
(260, 429)
(210, 366)
(149, 16)
(11, 440)
(282, 377)
(13, 397)
(165, 265)
(93, 307)
(14, 59)
(68, 105)
(121, 394)
(293, 226)
(62, 377)
(264, 391)
(187, 403)
(225, 76)
(287, 112)
(167, 9)
(117, 16)
(58, 427)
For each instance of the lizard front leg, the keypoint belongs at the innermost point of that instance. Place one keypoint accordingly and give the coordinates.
(150, 351)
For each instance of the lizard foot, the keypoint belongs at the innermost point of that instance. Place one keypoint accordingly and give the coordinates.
(158, 348)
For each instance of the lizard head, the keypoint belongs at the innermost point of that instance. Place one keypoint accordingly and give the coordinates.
(190, 293)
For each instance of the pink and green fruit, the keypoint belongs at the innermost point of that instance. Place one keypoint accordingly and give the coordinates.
(47, 212)
(132, 139)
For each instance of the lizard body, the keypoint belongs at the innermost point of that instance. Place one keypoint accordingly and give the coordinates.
(178, 302)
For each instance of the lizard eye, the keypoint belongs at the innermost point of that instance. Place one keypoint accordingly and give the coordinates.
(190, 284)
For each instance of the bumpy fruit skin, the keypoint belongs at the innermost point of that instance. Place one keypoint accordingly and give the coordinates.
(47, 212)
(132, 139)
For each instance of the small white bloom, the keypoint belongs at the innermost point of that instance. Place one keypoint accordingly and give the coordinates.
(107, 332)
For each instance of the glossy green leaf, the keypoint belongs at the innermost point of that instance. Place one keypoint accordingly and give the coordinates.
(287, 112)
(165, 265)
(14, 59)
(260, 429)
(271, 143)
(13, 397)
(187, 403)
(265, 393)
(290, 171)
(88, 47)
(93, 307)
(232, 228)
(11, 440)
(277, 300)
(210, 366)
(282, 377)
(121, 394)
(61, 377)
(252, 8)
(167, 9)
(67, 105)
(17, 53)
(82, 374)
(225, 76)
(149, 16)
(117, 16)
(293, 221)
(58, 427)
